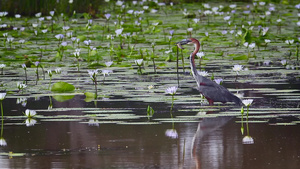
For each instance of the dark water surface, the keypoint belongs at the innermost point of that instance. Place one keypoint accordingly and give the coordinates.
(214, 142)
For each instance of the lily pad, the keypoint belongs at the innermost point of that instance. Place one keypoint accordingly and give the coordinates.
(62, 87)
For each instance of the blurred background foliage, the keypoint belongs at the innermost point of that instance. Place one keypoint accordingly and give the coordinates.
(31, 7)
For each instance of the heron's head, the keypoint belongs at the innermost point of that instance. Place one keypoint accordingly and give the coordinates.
(183, 42)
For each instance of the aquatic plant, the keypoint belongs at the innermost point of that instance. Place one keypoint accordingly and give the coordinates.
(139, 62)
(150, 112)
(29, 113)
(21, 86)
(247, 103)
(237, 69)
(37, 64)
(50, 75)
(2, 66)
(77, 54)
(172, 91)
(105, 73)
(93, 75)
(200, 55)
(25, 70)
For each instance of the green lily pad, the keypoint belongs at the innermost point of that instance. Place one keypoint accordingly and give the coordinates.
(62, 87)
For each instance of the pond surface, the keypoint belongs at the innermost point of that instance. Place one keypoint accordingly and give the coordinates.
(107, 134)
(116, 129)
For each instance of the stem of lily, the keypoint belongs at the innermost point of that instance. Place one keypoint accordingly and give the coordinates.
(37, 74)
(154, 65)
(182, 58)
(96, 95)
(242, 128)
(172, 102)
(247, 120)
(2, 118)
(50, 83)
(177, 68)
(25, 77)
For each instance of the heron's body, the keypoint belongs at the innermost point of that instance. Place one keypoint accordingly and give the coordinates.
(212, 91)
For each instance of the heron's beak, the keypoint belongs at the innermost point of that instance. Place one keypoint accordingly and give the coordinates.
(183, 42)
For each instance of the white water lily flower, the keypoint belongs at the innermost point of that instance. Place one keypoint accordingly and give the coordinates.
(2, 142)
(92, 73)
(202, 73)
(87, 42)
(247, 102)
(119, 31)
(106, 72)
(237, 68)
(107, 16)
(49, 72)
(64, 44)
(44, 30)
(171, 90)
(2, 66)
(283, 62)
(30, 113)
(108, 64)
(59, 36)
(21, 86)
(189, 29)
(232, 6)
(35, 25)
(226, 18)
(196, 20)
(9, 40)
(265, 30)
(17, 15)
(119, 3)
(2, 96)
(51, 13)
(267, 40)
(58, 70)
(218, 81)
(172, 133)
(289, 42)
(252, 45)
(139, 62)
(65, 28)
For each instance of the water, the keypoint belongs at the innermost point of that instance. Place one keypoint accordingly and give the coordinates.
(214, 142)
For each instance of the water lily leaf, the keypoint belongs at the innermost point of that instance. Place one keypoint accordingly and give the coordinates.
(62, 87)
(242, 57)
(63, 98)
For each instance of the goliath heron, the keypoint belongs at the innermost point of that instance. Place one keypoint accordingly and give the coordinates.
(212, 91)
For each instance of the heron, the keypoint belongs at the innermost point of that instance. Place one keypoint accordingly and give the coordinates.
(212, 91)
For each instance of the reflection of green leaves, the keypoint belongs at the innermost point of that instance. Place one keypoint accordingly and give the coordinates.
(62, 87)
(62, 98)
(150, 111)
(89, 96)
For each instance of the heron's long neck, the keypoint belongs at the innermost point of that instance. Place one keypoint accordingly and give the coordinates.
(192, 60)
